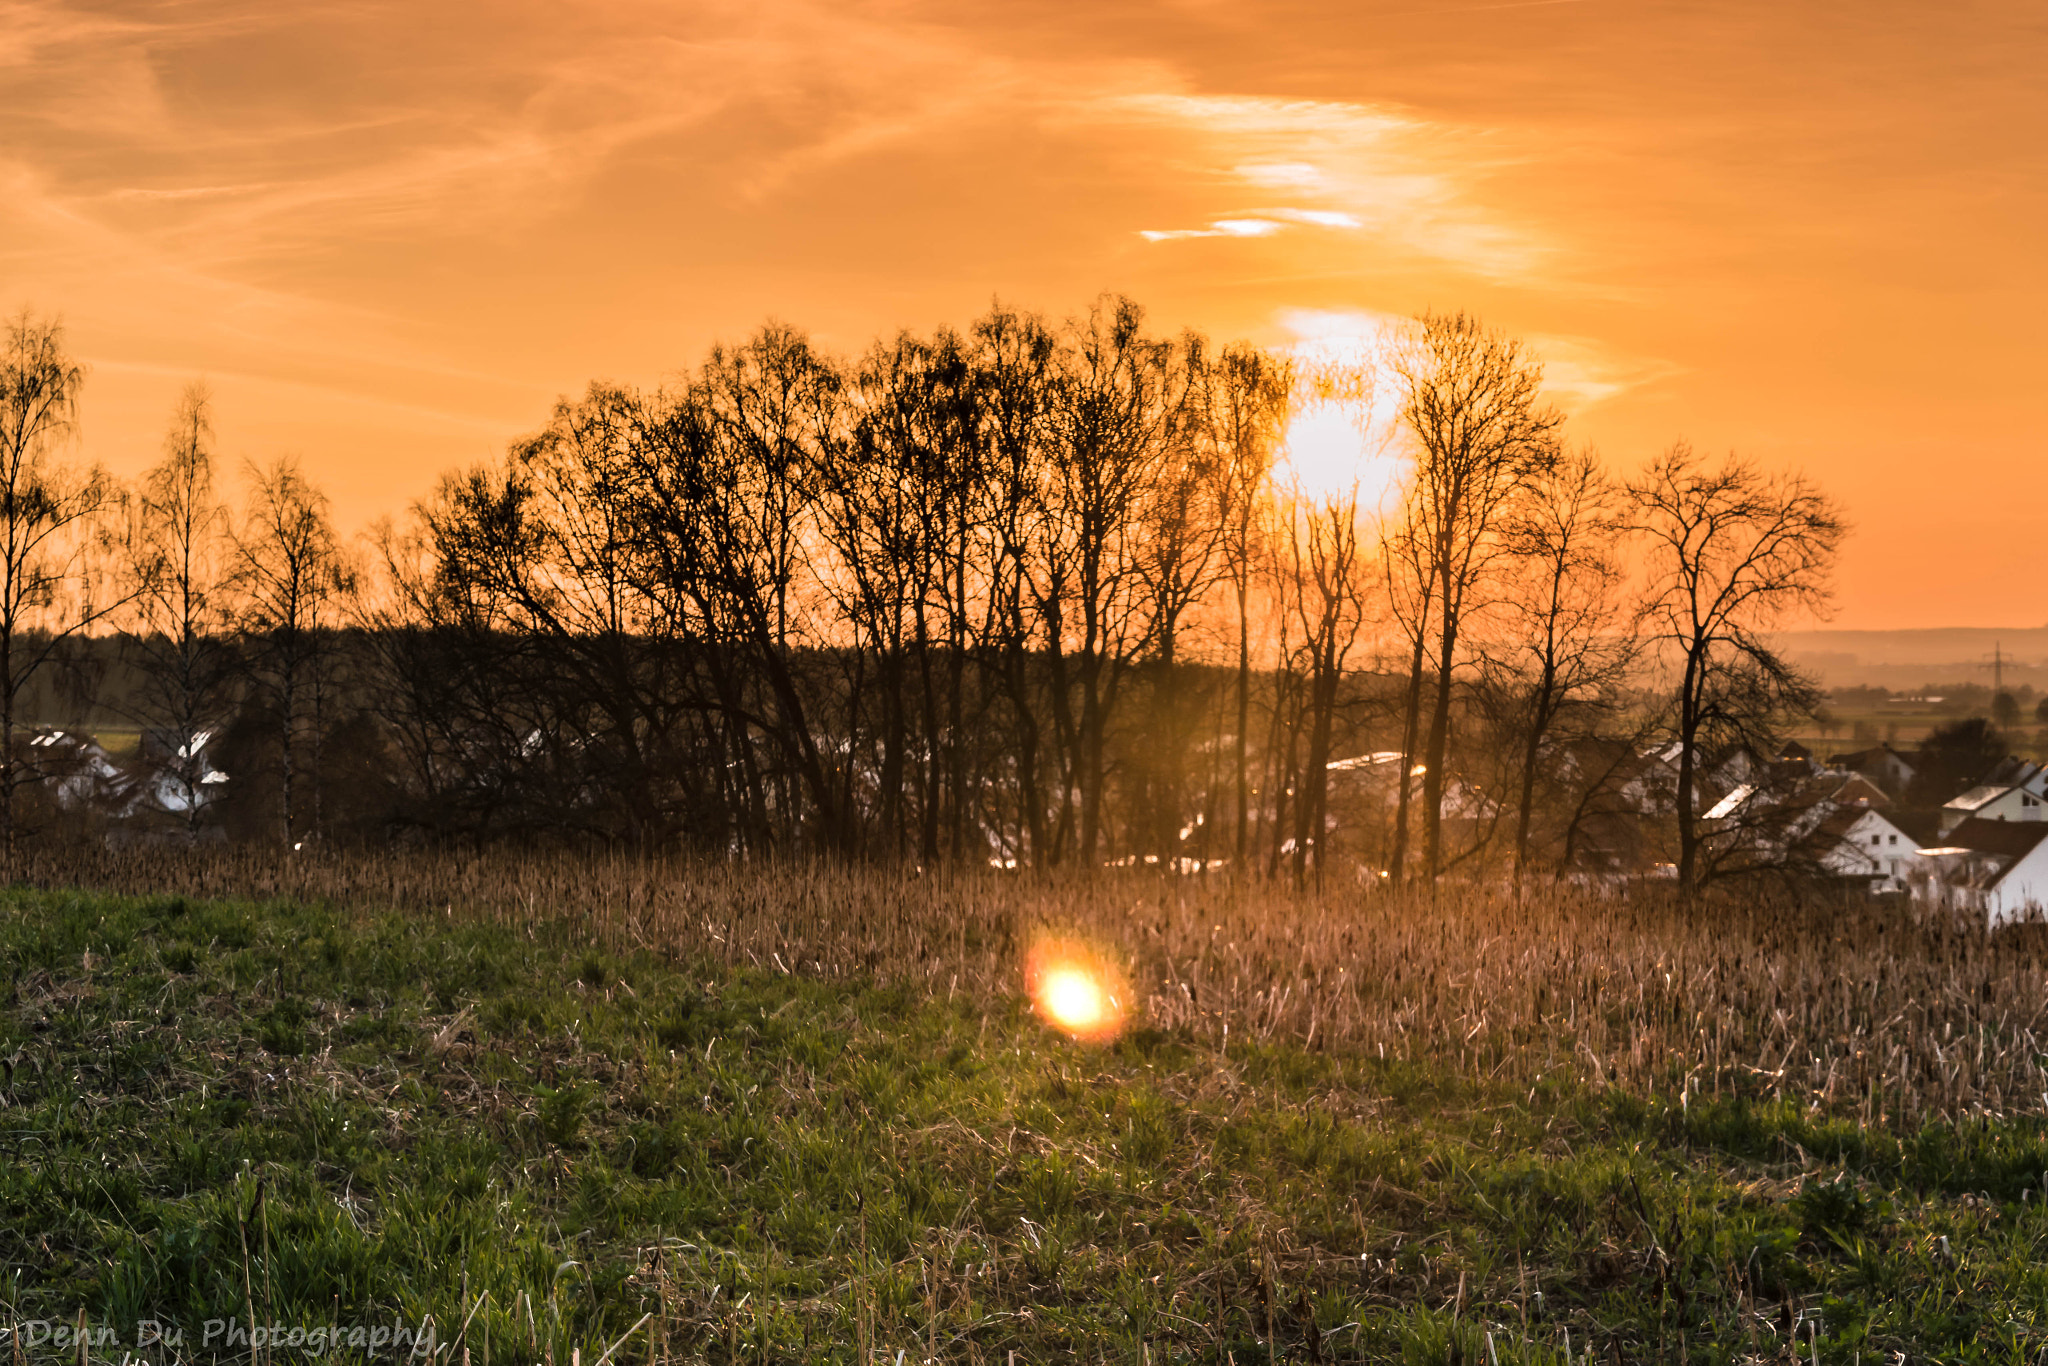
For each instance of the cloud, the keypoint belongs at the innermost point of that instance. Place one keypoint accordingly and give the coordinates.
(1266, 224)
(1321, 218)
(1410, 182)
(1280, 175)
(1222, 227)
(1579, 372)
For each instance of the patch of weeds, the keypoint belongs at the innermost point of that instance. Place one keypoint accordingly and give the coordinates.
(283, 1028)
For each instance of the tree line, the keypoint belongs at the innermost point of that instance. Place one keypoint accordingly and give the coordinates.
(1032, 593)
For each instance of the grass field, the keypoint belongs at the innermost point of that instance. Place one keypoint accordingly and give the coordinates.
(282, 1112)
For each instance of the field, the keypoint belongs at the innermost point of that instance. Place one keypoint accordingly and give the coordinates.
(554, 1108)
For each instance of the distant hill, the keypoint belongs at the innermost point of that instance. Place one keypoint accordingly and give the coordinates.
(1909, 659)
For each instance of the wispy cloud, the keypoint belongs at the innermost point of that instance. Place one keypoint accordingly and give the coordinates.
(1222, 227)
(309, 194)
(1264, 224)
(1321, 218)
(1407, 181)
(1580, 372)
(1281, 175)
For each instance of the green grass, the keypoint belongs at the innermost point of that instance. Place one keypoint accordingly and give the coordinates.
(229, 1110)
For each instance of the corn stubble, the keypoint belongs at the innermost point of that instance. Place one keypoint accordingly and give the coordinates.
(1874, 1011)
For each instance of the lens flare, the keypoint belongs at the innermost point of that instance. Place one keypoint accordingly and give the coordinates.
(1074, 1000)
(1076, 990)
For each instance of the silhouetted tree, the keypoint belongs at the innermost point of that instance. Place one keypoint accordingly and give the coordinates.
(1014, 357)
(899, 508)
(1953, 757)
(1730, 550)
(726, 516)
(1324, 576)
(1564, 638)
(1180, 560)
(1470, 402)
(1118, 406)
(290, 579)
(1249, 397)
(184, 611)
(56, 581)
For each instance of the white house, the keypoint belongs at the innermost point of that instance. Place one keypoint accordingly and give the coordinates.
(1860, 842)
(1379, 772)
(183, 778)
(1997, 868)
(2016, 796)
(74, 765)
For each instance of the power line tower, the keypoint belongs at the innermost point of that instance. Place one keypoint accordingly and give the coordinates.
(1997, 667)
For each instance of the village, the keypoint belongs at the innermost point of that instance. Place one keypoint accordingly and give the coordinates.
(1958, 822)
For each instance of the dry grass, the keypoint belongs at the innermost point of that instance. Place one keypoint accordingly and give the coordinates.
(1865, 1011)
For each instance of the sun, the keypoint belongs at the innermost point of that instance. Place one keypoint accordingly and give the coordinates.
(1328, 455)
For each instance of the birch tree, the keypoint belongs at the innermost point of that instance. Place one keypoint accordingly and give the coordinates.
(55, 581)
(183, 613)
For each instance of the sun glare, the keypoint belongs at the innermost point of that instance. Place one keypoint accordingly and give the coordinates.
(1075, 991)
(1074, 1000)
(1327, 456)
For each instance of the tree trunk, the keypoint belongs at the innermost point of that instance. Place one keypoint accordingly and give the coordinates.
(1244, 721)
(1411, 726)
(1539, 721)
(1688, 734)
(1439, 743)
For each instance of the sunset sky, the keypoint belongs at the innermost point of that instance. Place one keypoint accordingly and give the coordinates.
(390, 235)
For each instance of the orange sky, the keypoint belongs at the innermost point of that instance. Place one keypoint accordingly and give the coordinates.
(389, 235)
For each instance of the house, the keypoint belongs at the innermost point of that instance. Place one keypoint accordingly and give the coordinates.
(1882, 765)
(180, 777)
(78, 770)
(1860, 844)
(1998, 869)
(2013, 793)
(1378, 773)
(1827, 823)
(1786, 792)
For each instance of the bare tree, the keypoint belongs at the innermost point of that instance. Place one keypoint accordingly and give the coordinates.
(183, 612)
(1179, 557)
(1471, 404)
(544, 577)
(1324, 588)
(1731, 550)
(1249, 398)
(901, 511)
(54, 584)
(1120, 399)
(1564, 634)
(726, 491)
(291, 577)
(1014, 357)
